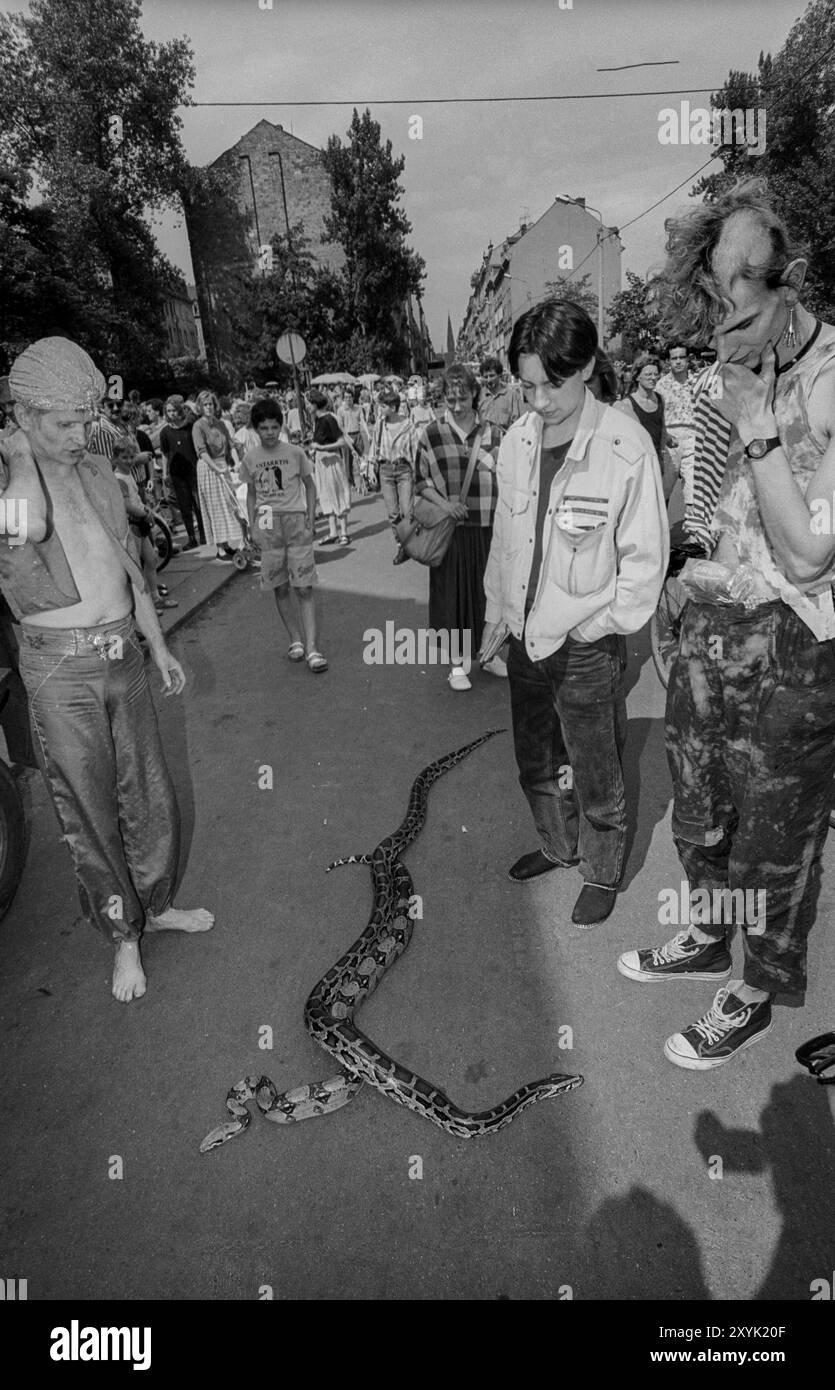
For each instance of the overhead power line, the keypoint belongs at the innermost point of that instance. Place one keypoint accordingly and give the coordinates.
(567, 96)
(633, 220)
(458, 101)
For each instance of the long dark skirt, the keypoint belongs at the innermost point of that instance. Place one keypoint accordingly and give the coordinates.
(456, 587)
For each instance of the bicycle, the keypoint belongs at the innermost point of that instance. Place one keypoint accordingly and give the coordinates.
(161, 538)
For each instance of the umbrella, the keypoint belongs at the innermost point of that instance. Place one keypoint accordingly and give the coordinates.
(334, 379)
(368, 378)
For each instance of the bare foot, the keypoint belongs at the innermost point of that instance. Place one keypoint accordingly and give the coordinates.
(181, 919)
(128, 976)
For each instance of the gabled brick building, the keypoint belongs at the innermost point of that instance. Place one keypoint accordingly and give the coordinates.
(306, 185)
(226, 240)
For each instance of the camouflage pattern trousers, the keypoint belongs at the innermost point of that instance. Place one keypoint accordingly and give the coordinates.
(750, 732)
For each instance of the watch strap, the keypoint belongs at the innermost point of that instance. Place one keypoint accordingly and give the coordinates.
(773, 442)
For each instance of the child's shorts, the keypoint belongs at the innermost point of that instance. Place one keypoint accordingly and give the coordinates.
(286, 550)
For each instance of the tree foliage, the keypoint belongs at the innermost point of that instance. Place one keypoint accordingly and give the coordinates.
(577, 291)
(365, 220)
(631, 314)
(299, 294)
(89, 124)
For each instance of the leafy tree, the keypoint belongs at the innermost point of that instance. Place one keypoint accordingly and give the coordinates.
(88, 121)
(577, 291)
(298, 294)
(631, 314)
(365, 220)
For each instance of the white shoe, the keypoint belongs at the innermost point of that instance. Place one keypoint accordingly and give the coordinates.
(458, 679)
(496, 667)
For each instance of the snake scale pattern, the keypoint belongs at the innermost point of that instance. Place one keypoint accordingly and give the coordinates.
(334, 1000)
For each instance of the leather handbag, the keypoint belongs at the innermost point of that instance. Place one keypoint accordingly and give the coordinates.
(427, 536)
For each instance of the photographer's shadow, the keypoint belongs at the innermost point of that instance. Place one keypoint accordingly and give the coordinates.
(797, 1143)
(640, 1248)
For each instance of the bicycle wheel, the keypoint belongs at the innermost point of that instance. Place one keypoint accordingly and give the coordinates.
(665, 627)
(161, 540)
(12, 838)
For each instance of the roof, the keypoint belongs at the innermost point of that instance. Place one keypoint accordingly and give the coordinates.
(270, 126)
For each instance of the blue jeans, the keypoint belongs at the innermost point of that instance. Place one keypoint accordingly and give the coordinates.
(397, 484)
(99, 748)
(569, 730)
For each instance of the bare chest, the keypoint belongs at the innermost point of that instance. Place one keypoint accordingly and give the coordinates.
(89, 550)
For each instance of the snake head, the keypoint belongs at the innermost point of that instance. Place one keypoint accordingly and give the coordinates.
(560, 1083)
(222, 1133)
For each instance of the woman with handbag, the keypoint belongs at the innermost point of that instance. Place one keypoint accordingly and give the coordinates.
(452, 452)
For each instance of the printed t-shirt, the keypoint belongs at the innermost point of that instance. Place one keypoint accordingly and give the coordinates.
(277, 475)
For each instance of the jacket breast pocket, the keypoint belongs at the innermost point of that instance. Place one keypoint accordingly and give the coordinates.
(582, 562)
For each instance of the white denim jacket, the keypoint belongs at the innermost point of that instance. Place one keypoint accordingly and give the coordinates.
(606, 540)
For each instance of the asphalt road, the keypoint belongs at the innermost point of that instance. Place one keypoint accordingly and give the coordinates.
(610, 1192)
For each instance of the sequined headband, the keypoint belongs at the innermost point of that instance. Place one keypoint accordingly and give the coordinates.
(56, 374)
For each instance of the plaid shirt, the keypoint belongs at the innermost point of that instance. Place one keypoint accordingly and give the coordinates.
(443, 456)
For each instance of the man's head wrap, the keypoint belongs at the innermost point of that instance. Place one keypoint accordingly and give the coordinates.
(56, 374)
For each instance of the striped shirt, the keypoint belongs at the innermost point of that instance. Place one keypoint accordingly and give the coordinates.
(443, 456)
(103, 436)
(713, 440)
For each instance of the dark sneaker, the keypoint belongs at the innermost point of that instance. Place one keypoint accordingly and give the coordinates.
(683, 958)
(728, 1027)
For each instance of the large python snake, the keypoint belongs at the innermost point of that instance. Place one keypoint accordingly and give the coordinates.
(329, 1011)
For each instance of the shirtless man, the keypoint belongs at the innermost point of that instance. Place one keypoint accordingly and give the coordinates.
(751, 702)
(76, 585)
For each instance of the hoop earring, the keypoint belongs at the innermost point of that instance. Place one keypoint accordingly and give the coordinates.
(790, 334)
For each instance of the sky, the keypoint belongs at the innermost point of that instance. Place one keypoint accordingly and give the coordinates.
(479, 167)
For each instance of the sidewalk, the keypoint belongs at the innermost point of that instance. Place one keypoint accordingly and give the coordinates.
(192, 577)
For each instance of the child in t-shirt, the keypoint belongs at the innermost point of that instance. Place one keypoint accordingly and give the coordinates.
(281, 506)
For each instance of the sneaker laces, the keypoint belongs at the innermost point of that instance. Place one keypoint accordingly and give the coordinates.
(714, 1025)
(671, 950)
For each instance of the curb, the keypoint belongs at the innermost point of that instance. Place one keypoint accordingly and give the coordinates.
(192, 579)
(170, 621)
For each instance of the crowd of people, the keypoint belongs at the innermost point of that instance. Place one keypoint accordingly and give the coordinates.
(557, 480)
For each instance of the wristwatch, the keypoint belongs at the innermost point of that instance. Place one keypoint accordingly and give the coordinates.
(758, 448)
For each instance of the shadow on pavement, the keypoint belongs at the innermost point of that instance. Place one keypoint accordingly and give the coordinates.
(638, 1247)
(796, 1146)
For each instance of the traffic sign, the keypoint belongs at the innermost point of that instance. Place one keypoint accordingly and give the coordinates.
(291, 348)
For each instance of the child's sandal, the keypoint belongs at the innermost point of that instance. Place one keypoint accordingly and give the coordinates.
(296, 651)
(316, 662)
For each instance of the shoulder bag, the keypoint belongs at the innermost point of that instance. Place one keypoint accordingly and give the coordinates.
(428, 535)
